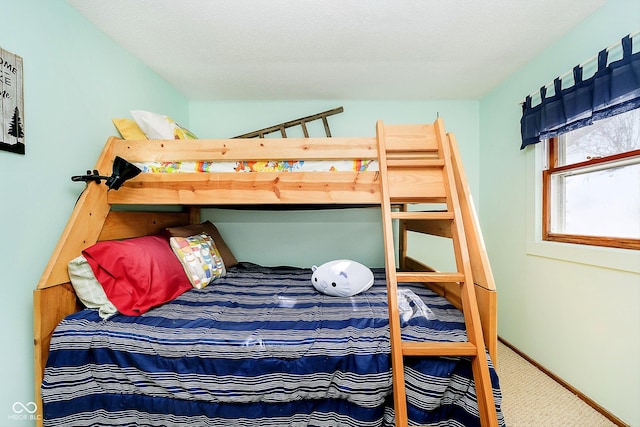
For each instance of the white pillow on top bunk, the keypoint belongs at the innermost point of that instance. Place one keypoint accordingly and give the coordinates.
(158, 126)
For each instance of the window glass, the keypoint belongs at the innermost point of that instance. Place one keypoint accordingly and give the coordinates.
(592, 184)
(615, 135)
(598, 202)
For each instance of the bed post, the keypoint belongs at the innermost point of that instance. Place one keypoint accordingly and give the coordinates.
(54, 297)
(45, 318)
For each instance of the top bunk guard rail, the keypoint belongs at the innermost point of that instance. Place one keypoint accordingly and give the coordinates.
(215, 188)
(245, 149)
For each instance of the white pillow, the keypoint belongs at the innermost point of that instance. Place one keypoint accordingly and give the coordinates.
(88, 289)
(153, 125)
(158, 126)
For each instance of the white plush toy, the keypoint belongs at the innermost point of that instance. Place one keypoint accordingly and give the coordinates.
(341, 278)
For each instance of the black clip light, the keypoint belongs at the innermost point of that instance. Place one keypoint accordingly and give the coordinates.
(122, 171)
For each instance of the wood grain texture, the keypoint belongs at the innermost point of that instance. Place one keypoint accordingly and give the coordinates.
(250, 188)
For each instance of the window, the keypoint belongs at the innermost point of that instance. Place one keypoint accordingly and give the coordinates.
(591, 184)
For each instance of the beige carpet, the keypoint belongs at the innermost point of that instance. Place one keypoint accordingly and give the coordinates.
(533, 399)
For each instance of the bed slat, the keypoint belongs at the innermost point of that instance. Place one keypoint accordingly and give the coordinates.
(250, 188)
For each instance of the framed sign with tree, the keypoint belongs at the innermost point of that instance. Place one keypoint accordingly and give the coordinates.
(11, 103)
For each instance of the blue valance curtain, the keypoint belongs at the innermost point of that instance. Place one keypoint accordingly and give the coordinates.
(613, 89)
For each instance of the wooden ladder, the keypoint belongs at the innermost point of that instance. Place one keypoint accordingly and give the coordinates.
(416, 168)
(302, 122)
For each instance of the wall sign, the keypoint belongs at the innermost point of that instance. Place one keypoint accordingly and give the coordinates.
(11, 103)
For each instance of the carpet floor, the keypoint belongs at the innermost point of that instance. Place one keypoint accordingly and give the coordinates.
(533, 399)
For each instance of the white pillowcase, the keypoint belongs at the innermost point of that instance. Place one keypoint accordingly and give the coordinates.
(88, 289)
(155, 126)
(158, 126)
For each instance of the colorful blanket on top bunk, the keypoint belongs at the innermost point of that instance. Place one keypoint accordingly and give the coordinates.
(260, 166)
(259, 347)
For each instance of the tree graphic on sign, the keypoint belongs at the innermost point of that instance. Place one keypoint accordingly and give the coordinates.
(15, 129)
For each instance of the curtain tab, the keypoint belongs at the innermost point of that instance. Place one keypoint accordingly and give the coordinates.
(626, 46)
(602, 59)
(577, 74)
(557, 86)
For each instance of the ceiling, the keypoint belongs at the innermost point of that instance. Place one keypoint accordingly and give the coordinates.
(335, 49)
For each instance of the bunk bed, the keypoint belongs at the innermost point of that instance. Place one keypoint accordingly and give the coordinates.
(259, 346)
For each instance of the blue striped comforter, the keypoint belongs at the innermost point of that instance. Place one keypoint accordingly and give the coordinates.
(259, 347)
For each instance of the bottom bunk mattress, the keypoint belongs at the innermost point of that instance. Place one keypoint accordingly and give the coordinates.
(258, 347)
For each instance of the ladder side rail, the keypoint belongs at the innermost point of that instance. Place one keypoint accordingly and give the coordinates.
(397, 364)
(482, 273)
(480, 265)
(480, 367)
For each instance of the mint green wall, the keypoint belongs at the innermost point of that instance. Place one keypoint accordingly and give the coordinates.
(572, 308)
(309, 238)
(75, 81)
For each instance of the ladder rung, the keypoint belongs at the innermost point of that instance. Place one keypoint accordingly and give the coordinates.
(422, 215)
(413, 153)
(404, 199)
(438, 349)
(429, 276)
(418, 162)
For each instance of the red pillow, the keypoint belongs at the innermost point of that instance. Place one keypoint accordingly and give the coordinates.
(137, 274)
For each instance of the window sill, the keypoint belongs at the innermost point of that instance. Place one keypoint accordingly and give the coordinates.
(612, 258)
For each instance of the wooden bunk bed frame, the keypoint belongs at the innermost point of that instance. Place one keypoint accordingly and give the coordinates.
(97, 215)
